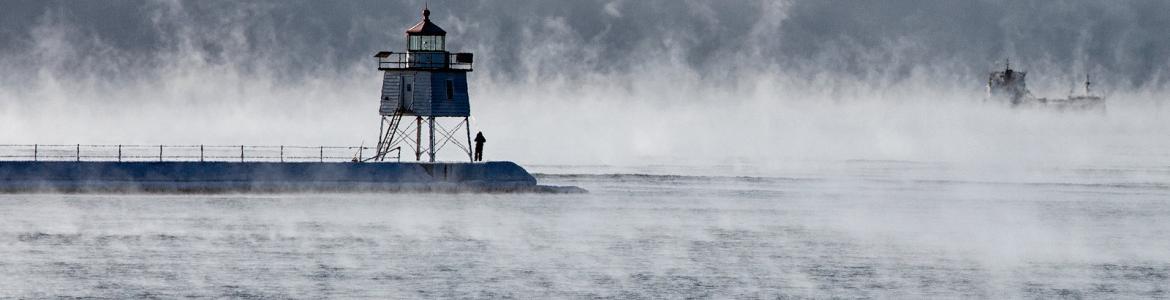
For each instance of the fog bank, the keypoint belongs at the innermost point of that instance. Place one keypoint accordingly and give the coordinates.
(602, 82)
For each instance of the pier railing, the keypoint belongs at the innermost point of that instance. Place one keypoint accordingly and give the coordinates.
(223, 153)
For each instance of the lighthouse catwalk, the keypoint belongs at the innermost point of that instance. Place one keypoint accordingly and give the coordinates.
(423, 86)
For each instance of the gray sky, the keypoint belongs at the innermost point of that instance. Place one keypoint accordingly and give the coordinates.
(518, 39)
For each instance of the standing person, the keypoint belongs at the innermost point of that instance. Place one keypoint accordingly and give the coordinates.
(479, 140)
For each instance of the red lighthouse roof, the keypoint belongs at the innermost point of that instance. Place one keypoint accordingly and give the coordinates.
(425, 27)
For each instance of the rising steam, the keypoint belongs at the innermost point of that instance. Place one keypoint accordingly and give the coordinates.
(597, 82)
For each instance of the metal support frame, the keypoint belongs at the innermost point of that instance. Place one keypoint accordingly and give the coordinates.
(418, 139)
(470, 155)
(431, 149)
(393, 136)
(448, 136)
(388, 137)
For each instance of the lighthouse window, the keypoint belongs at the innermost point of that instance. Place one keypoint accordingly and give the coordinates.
(426, 43)
(450, 90)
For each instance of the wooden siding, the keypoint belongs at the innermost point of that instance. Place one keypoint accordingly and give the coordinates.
(422, 90)
(457, 105)
(391, 86)
(429, 91)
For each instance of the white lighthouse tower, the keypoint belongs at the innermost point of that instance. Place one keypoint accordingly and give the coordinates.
(429, 84)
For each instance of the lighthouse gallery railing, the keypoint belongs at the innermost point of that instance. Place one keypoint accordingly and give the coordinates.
(225, 153)
(424, 60)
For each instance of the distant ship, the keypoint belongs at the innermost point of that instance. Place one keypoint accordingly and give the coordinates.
(1010, 86)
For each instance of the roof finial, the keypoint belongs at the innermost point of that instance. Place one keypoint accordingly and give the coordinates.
(426, 11)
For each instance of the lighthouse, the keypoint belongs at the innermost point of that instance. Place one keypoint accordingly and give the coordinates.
(423, 108)
(427, 85)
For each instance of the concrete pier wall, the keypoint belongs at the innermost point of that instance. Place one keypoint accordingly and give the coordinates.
(30, 176)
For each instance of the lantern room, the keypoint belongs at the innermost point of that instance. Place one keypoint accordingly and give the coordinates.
(426, 36)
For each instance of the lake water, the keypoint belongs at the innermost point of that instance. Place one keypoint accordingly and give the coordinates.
(886, 229)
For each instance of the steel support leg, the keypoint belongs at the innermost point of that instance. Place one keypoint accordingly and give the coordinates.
(470, 150)
(381, 137)
(418, 139)
(431, 149)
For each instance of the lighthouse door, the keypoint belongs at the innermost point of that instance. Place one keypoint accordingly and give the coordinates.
(408, 92)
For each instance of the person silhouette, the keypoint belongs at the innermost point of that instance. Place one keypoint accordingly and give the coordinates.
(479, 140)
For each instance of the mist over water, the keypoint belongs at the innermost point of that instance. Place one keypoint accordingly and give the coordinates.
(856, 229)
(598, 82)
(733, 149)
